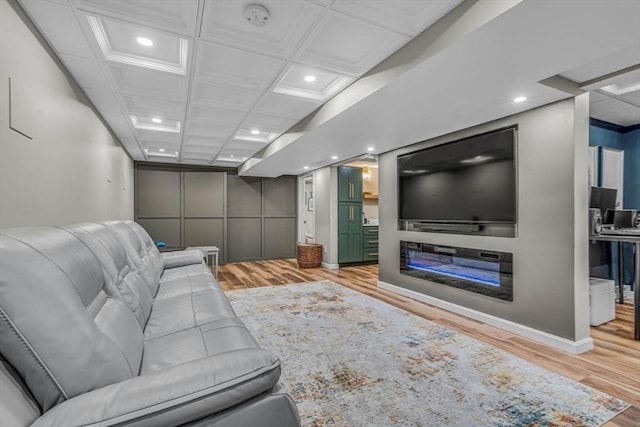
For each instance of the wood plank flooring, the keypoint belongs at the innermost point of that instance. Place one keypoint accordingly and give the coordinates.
(613, 366)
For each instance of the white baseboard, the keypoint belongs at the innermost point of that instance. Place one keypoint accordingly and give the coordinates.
(573, 347)
(330, 266)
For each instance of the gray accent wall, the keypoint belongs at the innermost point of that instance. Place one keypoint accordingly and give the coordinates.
(550, 262)
(59, 163)
(248, 219)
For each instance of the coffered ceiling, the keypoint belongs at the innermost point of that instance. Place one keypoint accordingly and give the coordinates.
(321, 81)
(194, 82)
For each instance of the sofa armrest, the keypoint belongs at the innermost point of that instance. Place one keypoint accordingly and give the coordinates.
(182, 258)
(174, 396)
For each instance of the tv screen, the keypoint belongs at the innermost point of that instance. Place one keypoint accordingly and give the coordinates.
(472, 180)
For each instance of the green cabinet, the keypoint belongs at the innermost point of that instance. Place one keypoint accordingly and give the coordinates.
(349, 184)
(349, 232)
(370, 243)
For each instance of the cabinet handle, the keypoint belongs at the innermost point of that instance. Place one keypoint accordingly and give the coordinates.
(351, 213)
(350, 196)
(373, 241)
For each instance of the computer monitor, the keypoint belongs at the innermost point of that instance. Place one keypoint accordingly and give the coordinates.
(604, 199)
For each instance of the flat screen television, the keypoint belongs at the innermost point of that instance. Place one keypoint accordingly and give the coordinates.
(469, 181)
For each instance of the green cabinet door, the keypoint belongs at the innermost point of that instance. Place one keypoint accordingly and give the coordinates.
(355, 178)
(349, 232)
(349, 184)
(344, 188)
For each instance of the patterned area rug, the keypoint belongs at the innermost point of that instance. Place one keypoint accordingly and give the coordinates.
(351, 360)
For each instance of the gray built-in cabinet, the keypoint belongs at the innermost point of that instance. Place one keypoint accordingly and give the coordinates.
(248, 219)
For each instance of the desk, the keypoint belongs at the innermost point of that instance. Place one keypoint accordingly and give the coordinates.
(209, 251)
(635, 240)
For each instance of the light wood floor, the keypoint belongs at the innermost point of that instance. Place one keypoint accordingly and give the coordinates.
(613, 366)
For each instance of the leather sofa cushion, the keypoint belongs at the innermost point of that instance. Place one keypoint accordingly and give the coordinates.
(70, 318)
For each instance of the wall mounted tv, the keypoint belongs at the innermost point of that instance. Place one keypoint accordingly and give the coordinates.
(466, 183)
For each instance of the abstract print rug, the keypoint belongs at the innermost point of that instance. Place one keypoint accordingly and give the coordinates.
(351, 360)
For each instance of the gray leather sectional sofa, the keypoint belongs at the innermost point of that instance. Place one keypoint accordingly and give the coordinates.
(98, 328)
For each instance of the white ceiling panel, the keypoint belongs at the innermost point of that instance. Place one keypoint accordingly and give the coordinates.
(246, 145)
(286, 105)
(139, 81)
(209, 130)
(170, 139)
(307, 82)
(202, 150)
(607, 106)
(409, 17)
(216, 115)
(103, 100)
(224, 22)
(131, 44)
(226, 65)
(169, 15)
(201, 144)
(87, 72)
(224, 96)
(347, 45)
(626, 117)
(268, 123)
(631, 98)
(60, 26)
(139, 105)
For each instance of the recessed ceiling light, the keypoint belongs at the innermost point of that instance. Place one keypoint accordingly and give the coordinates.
(370, 148)
(144, 41)
(310, 78)
(176, 153)
(146, 150)
(156, 120)
(255, 132)
(520, 99)
(306, 167)
(161, 150)
(230, 155)
(334, 157)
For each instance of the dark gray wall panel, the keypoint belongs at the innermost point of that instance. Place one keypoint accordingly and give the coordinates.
(157, 194)
(280, 196)
(245, 239)
(204, 194)
(244, 196)
(204, 232)
(166, 230)
(279, 238)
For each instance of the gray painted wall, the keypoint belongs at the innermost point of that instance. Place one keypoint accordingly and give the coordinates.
(248, 219)
(325, 194)
(550, 250)
(72, 169)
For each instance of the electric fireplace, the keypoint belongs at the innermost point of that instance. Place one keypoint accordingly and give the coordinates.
(485, 272)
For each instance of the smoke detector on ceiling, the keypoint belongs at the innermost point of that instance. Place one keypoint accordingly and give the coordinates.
(257, 15)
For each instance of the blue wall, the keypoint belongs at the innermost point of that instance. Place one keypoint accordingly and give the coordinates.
(630, 143)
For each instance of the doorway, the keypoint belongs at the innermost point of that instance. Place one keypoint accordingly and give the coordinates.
(306, 211)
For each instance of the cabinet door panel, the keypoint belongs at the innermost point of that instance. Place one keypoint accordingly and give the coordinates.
(343, 184)
(356, 183)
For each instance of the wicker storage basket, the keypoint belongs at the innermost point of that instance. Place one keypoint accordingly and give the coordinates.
(309, 255)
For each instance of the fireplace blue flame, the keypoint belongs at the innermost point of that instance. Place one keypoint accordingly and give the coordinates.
(484, 272)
